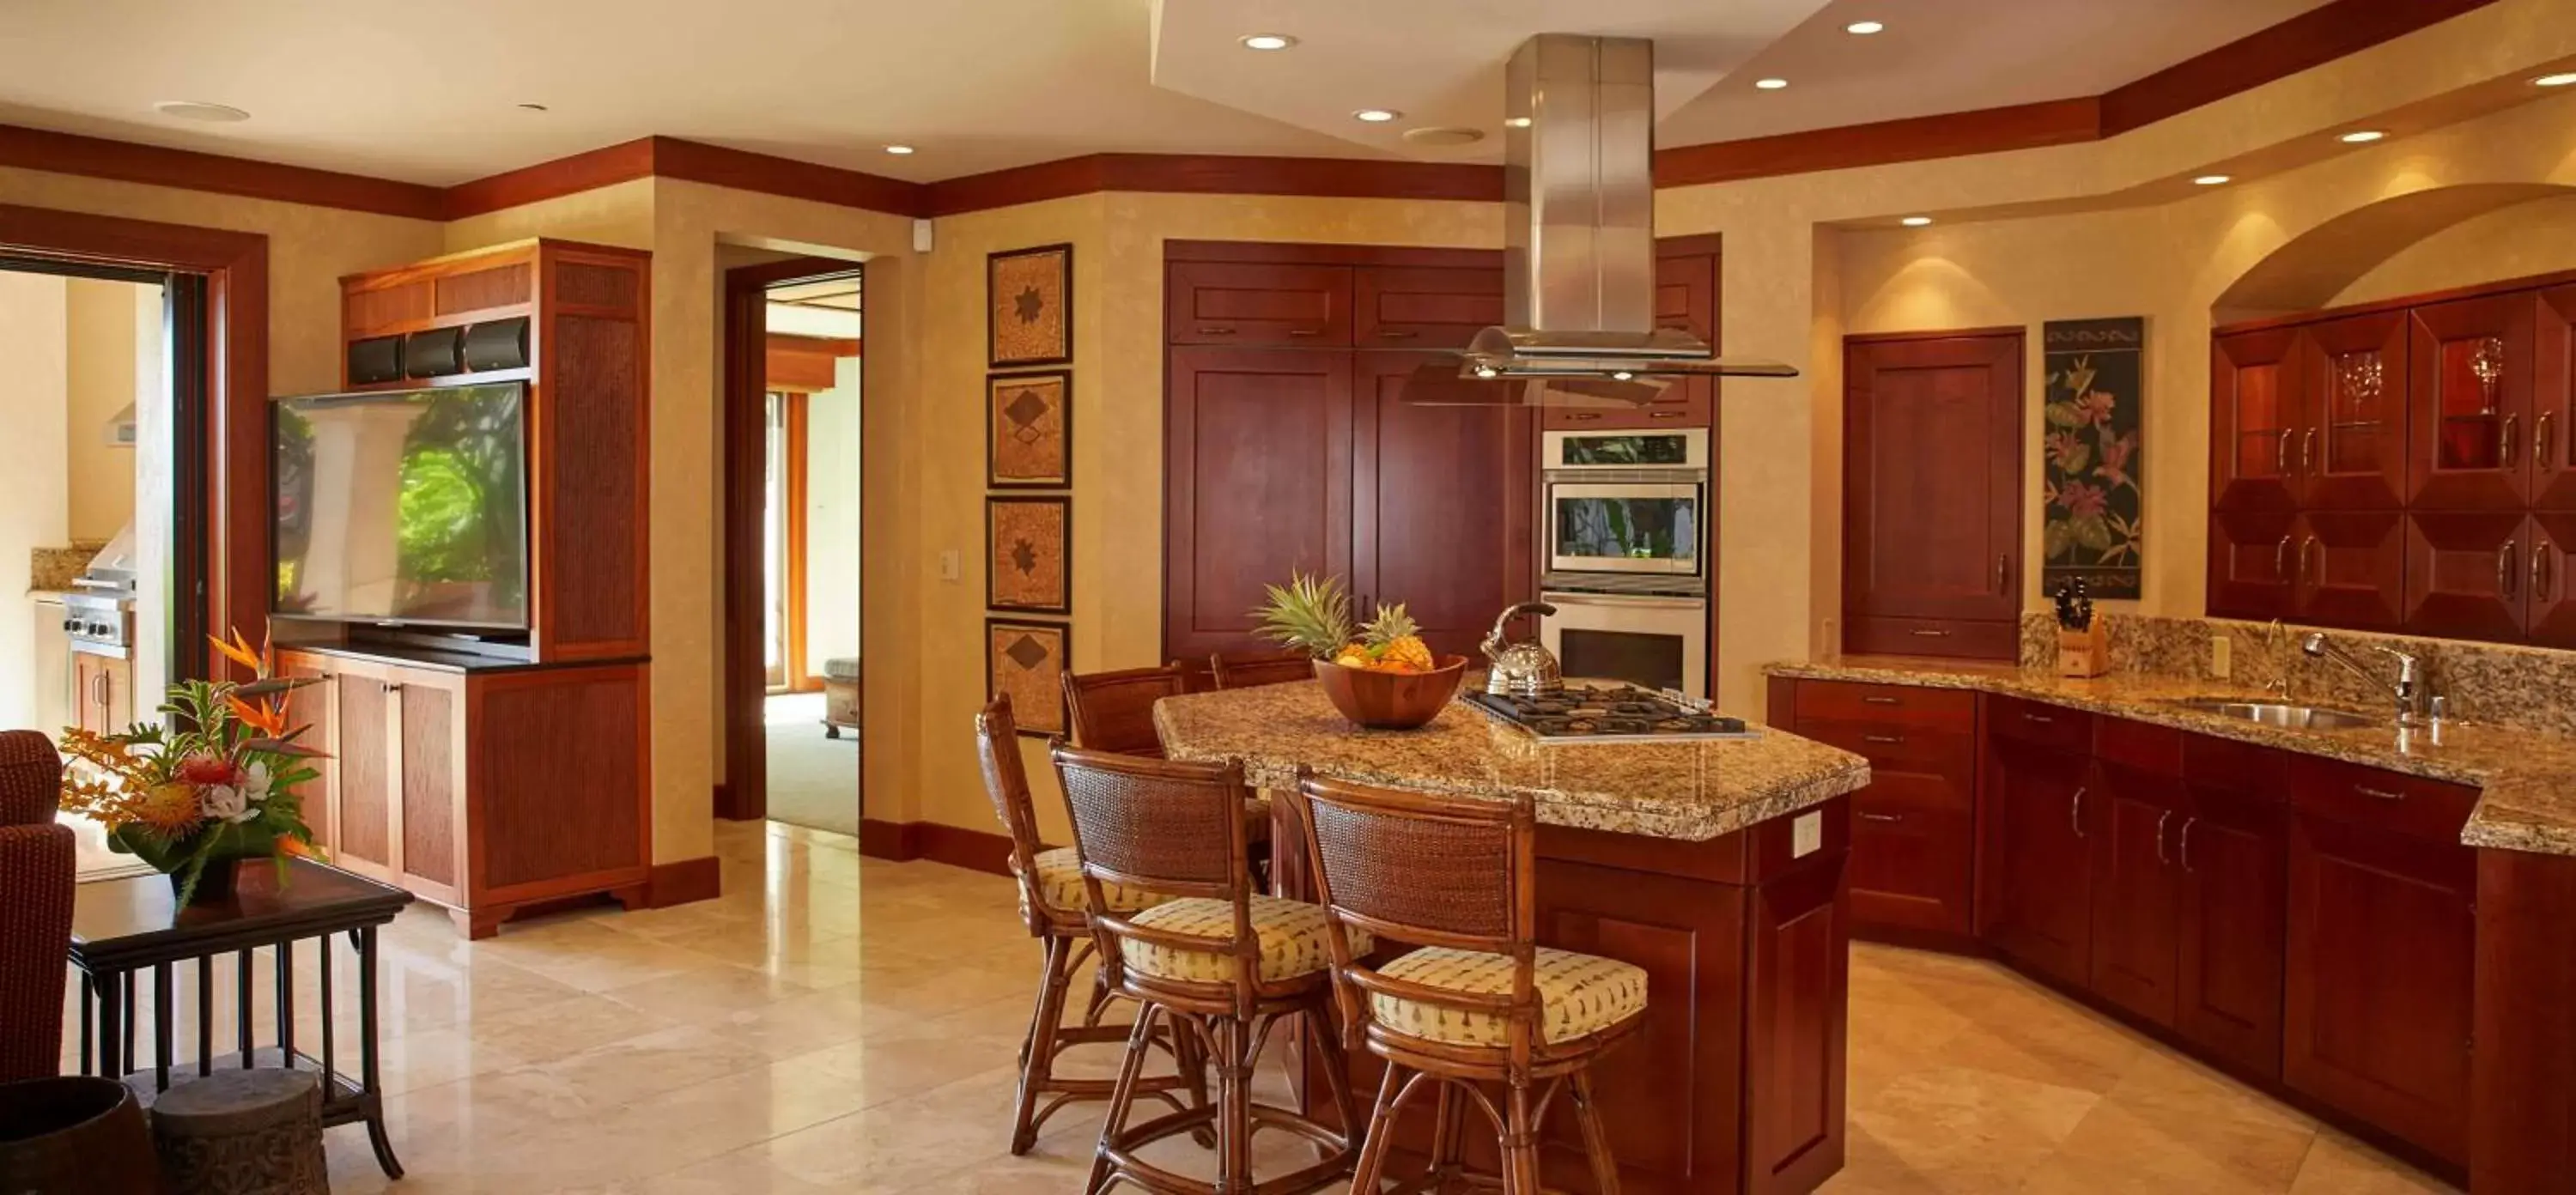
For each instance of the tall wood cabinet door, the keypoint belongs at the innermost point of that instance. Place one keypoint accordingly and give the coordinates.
(429, 714)
(2471, 364)
(1442, 499)
(89, 708)
(2376, 1017)
(2252, 562)
(1258, 303)
(2036, 876)
(1932, 494)
(2549, 613)
(1257, 483)
(366, 764)
(2254, 418)
(2468, 573)
(2553, 401)
(2352, 451)
(2350, 569)
(2136, 897)
(2232, 848)
(1424, 307)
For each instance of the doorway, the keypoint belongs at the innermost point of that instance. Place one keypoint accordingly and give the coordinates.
(793, 662)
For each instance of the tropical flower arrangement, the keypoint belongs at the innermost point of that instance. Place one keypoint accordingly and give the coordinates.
(216, 785)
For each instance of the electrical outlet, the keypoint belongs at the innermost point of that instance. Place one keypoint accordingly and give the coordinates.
(2219, 656)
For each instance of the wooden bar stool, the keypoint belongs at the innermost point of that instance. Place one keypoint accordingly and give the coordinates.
(1114, 711)
(1247, 669)
(1223, 963)
(1052, 901)
(1479, 1004)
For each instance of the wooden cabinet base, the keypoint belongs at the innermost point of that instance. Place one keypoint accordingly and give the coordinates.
(487, 791)
(1735, 1082)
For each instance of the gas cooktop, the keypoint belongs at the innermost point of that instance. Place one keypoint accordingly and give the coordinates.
(1615, 713)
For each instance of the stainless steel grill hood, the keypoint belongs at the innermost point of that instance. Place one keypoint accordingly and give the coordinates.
(1579, 249)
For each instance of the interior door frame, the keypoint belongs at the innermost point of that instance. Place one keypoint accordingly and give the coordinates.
(743, 792)
(223, 549)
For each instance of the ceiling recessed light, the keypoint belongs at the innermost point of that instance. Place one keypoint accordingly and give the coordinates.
(898, 149)
(2212, 180)
(1377, 115)
(201, 110)
(1864, 28)
(1268, 41)
(1770, 84)
(1915, 221)
(2363, 136)
(2558, 80)
(1516, 122)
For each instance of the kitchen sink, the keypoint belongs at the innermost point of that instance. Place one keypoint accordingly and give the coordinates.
(2295, 717)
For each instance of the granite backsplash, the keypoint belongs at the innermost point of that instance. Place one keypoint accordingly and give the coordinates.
(2527, 688)
(54, 568)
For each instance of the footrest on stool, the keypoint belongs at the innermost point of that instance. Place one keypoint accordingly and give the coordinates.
(237, 1132)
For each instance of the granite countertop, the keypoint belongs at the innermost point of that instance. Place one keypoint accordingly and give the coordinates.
(1689, 791)
(2528, 777)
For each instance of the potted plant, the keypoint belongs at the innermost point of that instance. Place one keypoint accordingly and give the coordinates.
(1383, 676)
(212, 787)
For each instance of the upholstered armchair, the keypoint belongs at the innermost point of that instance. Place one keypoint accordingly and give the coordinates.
(36, 874)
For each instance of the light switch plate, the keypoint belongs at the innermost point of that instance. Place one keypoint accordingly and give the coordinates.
(2220, 656)
(1806, 835)
(949, 567)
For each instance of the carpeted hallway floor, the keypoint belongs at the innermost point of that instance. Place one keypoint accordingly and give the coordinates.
(813, 780)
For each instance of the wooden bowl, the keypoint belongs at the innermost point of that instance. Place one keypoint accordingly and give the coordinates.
(1390, 700)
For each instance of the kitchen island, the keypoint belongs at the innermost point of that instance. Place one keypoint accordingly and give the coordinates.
(1715, 865)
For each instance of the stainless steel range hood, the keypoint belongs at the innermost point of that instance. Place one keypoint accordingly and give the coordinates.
(1579, 249)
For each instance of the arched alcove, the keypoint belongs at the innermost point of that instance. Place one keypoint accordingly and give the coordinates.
(2313, 267)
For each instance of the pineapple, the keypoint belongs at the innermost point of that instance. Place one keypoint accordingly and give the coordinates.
(1395, 640)
(1311, 614)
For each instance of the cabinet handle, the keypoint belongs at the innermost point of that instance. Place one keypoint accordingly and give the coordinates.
(2281, 559)
(2187, 824)
(1397, 333)
(2162, 859)
(1214, 330)
(393, 687)
(2003, 571)
(1305, 331)
(1881, 701)
(2381, 793)
(2307, 446)
(2075, 812)
(1882, 738)
(2540, 441)
(2504, 442)
(2540, 578)
(1666, 414)
(1582, 416)
(2504, 569)
(2042, 719)
(1881, 817)
(2305, 549)
(2281, 455)
(1928, 633)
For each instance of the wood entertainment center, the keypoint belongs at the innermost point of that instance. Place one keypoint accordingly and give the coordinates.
(490, 776)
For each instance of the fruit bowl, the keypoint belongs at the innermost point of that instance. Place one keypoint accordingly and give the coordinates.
(1390, 700)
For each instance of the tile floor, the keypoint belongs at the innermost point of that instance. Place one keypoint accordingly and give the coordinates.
(848, 1025)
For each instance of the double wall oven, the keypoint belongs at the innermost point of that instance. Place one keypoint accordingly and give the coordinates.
(1625, 515)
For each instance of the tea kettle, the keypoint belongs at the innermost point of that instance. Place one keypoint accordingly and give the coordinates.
(1524, 669)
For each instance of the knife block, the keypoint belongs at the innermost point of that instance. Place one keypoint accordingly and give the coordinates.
(2084, 653)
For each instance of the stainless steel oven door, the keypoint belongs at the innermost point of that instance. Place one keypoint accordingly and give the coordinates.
(1625, 527)
(1684, 449)
(1657, 642)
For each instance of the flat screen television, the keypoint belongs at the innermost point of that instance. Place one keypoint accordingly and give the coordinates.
(403, 507)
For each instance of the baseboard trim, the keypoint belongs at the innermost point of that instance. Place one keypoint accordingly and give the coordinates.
(936, 842)
(683, 882)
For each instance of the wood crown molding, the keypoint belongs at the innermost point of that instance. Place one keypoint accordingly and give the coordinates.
(2303, 42)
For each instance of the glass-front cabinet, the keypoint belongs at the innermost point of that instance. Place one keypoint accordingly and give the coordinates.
(2351, 450)
(2254, 419)
(2472, 363)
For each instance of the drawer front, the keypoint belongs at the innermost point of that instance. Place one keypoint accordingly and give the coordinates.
(1259, 304)
(1685, 403)
(2155, 750)
(2379, 799)
(2040, 724)
(1898, 749)
(1425, 307)
(2226, 764)
(1886, 705)
(1912, 860)
(1951, 638)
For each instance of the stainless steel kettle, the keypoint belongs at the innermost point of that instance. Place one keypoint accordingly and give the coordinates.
(1523, 669)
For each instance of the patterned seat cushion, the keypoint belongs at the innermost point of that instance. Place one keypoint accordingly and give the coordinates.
(1582, 994)
(1294, 941)
(1060, 885)
(841, 668)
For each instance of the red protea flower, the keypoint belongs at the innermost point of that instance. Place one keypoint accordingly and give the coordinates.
(209, 769)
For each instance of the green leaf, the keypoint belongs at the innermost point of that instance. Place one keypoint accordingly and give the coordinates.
(2090, 531)
(2065, 414)
(2057, 539)
(2077, 459)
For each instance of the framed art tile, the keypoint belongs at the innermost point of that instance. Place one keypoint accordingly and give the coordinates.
(1023, 659)
(1030, 319)
(1028, 545)
(1028, 430)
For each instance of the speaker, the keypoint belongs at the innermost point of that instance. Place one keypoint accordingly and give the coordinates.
(500, 344)
(435, 353)
(377, 359)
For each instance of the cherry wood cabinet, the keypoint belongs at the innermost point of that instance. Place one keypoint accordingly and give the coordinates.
(2553, 400)
(1686, 282)
(2232, 848)
(2137, 887)
(1913, 829)
(2252, 570)
(2254, 418)
(2381, 950)
(1424, 307)
(1259, 303)
(2353, 385)
(2035, 881)
(1932, 434)
(1430, 525)
(2471, 364)
(1257, 482)
(2349, 569)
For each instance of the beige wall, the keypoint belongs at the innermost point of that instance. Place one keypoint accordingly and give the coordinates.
(2536, 237)
(834, 472)
(32, 343)
(99, 319)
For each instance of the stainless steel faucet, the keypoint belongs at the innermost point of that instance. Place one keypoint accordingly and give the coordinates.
(2409, 689)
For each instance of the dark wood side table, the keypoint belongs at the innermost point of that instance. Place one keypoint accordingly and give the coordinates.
(125, 928)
